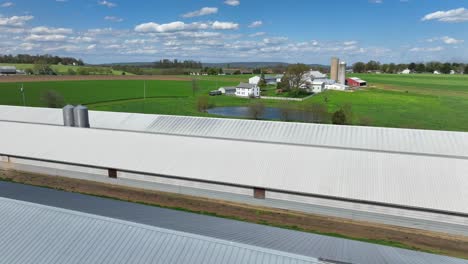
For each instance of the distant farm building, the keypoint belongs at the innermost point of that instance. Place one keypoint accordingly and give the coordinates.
(247, 90)
(269, 79)
(318, 86)
(356, 82)
(406, 71)
(7, 70)
(228, 90)
(436, 72)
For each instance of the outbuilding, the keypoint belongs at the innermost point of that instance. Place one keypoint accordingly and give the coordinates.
(356, 82)
(228, 90)
(247, 90)
(7, 70)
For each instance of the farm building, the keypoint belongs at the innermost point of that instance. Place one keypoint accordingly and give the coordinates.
(7, 70)
(254, 80)
(337, 87)
(356, 82)
(406, 71)
(228, 90)
(318, 86)
(436, 72)
(141, 233)
(384, 175)
(247, 90)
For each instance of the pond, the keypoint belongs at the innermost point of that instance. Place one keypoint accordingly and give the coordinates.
(269, 113)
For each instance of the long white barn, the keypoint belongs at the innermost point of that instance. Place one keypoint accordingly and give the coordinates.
(413, 173)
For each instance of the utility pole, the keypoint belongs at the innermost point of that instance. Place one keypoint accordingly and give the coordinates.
(22, 92)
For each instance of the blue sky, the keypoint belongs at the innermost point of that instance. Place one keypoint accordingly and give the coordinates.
(309, 31)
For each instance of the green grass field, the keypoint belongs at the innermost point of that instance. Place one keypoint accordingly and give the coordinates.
(406, 101)
(59, 69)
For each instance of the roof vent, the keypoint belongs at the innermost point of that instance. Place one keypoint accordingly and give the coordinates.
(68, 116)
(81, 116)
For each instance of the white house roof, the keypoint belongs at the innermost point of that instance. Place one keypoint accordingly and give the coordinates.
(357, 79)
(430, 177)
(36, 233)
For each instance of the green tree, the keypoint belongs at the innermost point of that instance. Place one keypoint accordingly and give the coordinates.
(348, 111)
(202, 103)
(52, 99)
(465, 71)
(339, 117)
(195, 87)
(284, 85)
(295, 73)
(42, 68)
(256, 109)
(412, 66)
(446, 68)
(262, 83)
(359, 67)
(71, 72)
(420, 68)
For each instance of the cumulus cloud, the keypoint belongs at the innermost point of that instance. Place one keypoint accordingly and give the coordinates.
(179, 26)
(46, 38)
(15, 21)
(224, 25)
(202, 12)
(47, 31)
(447, 40)
(376, 1)
(113, 18)
(232, 2)
(450, 16)
(107, 3)
(7, 4)
(426, 49)
(256, 24)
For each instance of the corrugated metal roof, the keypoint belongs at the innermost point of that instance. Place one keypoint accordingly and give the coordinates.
(354, 137)
(33, 233)
(429, 182)
(312, 245)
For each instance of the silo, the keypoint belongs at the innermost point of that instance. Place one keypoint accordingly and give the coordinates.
(342, 73)
(334, 68)
(68, 116)
(81, 116)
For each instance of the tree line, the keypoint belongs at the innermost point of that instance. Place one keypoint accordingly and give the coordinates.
(428, 67)
(170, 64)
(47, 59)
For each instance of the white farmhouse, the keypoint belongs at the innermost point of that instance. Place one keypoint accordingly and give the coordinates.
(436, 72)
(406, 71)
(318, 86)
(247, 90)
(254, 80)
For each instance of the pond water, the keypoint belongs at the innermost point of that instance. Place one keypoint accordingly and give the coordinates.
(270, 113)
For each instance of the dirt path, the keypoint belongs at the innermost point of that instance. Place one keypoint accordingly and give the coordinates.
(26, 78)
(456, 246)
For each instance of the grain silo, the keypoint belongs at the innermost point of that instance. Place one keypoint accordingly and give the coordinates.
(342, 73)
(334, 68)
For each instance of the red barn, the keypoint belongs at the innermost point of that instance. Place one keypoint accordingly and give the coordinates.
(356, 82)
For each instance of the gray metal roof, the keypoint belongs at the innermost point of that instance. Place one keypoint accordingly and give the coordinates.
(410, 180)
(312, 245)
(246, 85)
(426, 142)
(33, 233)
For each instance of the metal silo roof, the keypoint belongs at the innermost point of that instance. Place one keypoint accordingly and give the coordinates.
(33, 233)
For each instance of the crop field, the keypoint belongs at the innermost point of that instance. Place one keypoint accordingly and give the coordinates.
(59, 69)
(404, 101)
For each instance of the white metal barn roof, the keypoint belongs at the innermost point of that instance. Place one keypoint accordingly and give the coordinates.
(411, 180)
(427, 142)
(33, 233)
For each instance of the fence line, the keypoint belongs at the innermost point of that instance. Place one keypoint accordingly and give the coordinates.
(286, 98)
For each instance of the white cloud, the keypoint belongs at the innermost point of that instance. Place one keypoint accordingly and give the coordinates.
(46, 38)
(258, 34)
(113, 18)
(447, 40)
(107, 3)
(350, 43)
(256, 24)
(202, 12)
(7, 4)
(15, 21)
(426, 49)
(232, 2)
(91, 47)
(224, 25)
(152, 27)
(48, 31)
(451, 16)
(376, 1)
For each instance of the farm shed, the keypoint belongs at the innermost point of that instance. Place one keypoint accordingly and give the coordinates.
(7, 70)
(228, 90)
(381, 170)
(356, 82)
